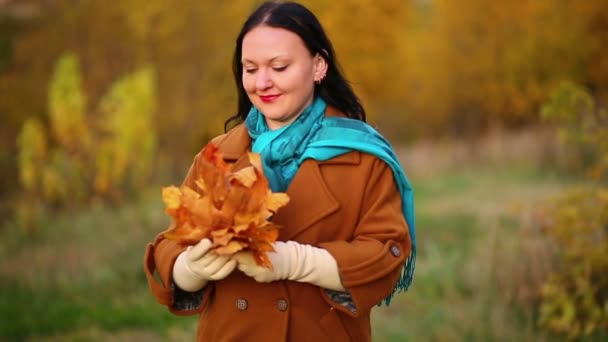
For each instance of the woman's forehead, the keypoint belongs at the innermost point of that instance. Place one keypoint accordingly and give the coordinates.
(267, 43)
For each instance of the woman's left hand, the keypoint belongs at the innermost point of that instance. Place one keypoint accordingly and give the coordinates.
(294, 261)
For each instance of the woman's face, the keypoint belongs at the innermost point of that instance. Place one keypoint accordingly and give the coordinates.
(279, 73)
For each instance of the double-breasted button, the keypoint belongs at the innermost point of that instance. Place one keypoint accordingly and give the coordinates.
(241, 304)
(395, 251)
(282, 305)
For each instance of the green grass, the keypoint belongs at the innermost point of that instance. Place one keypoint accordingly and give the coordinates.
(83, 271)
(78, 276)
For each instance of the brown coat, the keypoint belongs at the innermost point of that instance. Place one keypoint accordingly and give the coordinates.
(349, 206)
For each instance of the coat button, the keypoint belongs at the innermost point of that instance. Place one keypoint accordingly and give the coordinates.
(395, 251)
(282, 305)
(241, 304)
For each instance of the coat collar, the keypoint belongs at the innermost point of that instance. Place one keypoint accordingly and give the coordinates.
(235, 143)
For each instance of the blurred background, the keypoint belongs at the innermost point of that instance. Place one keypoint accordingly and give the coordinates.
(497, 110)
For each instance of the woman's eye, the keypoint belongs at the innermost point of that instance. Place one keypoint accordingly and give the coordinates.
(279, 69)
(250, 71)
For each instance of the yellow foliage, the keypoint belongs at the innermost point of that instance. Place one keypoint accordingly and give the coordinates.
(420, 67)
(370, 38)
(575, 299)
(582, 125)
(150, 19)
(76, 169)
(128, 141)
(53, 185)
(480, 61)
(32, 153)
(67, 104)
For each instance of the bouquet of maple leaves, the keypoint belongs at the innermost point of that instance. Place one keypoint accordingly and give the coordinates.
(231, 208)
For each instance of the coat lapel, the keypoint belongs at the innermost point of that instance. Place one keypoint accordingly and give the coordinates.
(310, 197)
(309, 201)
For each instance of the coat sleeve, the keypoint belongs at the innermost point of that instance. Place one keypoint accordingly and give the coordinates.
(159, 259)
(371, 263)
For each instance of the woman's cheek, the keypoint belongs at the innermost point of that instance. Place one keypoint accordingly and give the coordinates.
(246, 83)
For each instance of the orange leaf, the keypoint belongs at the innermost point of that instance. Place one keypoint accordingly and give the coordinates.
(222, 239)
(186, 234)
(213, 172)
(231, 248)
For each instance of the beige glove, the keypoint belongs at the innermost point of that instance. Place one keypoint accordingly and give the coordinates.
(196, 266)
(294, 261)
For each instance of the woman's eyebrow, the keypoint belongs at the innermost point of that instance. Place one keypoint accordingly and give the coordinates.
(245, 60)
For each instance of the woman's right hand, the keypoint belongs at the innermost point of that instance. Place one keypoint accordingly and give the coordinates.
(197, 265)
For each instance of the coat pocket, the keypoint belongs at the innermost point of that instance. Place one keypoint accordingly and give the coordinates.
(332, 326)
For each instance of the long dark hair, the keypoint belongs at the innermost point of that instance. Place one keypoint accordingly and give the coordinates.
(334, 89)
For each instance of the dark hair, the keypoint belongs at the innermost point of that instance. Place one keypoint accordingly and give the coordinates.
(335, 89)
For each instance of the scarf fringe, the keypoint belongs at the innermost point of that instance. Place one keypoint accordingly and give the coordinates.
(406, 278)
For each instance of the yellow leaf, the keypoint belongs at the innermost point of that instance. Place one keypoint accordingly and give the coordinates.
(275, 201)
(246, 176)
(171, 196)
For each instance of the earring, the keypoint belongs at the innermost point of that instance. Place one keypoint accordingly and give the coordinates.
(318, 81)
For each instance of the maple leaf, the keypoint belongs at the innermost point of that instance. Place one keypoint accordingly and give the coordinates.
(232, 209)
(231, 247)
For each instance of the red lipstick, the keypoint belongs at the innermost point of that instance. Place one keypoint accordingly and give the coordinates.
(269, 98)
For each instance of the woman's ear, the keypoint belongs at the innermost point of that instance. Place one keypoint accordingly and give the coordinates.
(320, 68)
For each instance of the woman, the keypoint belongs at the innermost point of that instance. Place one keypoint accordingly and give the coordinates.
(347, 241)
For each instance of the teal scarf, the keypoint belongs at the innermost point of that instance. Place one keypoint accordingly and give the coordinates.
(314, 136)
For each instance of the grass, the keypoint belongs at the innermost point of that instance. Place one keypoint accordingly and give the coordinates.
(83, 274)
(78, 276)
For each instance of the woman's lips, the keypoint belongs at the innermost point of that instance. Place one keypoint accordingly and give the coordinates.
(269, 98)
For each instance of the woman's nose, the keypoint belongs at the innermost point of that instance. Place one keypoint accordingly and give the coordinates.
(263, 80)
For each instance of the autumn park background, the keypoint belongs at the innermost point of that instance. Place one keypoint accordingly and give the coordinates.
(497, 109)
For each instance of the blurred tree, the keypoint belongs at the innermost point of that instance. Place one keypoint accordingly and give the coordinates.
(422, 68)
(581, 124)
(370, 40)
(575, 298)
(594, 20)
(127, 142)
(67, 106)
(480, 62)
(86, 159)
(66, 170)
(32, 152)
